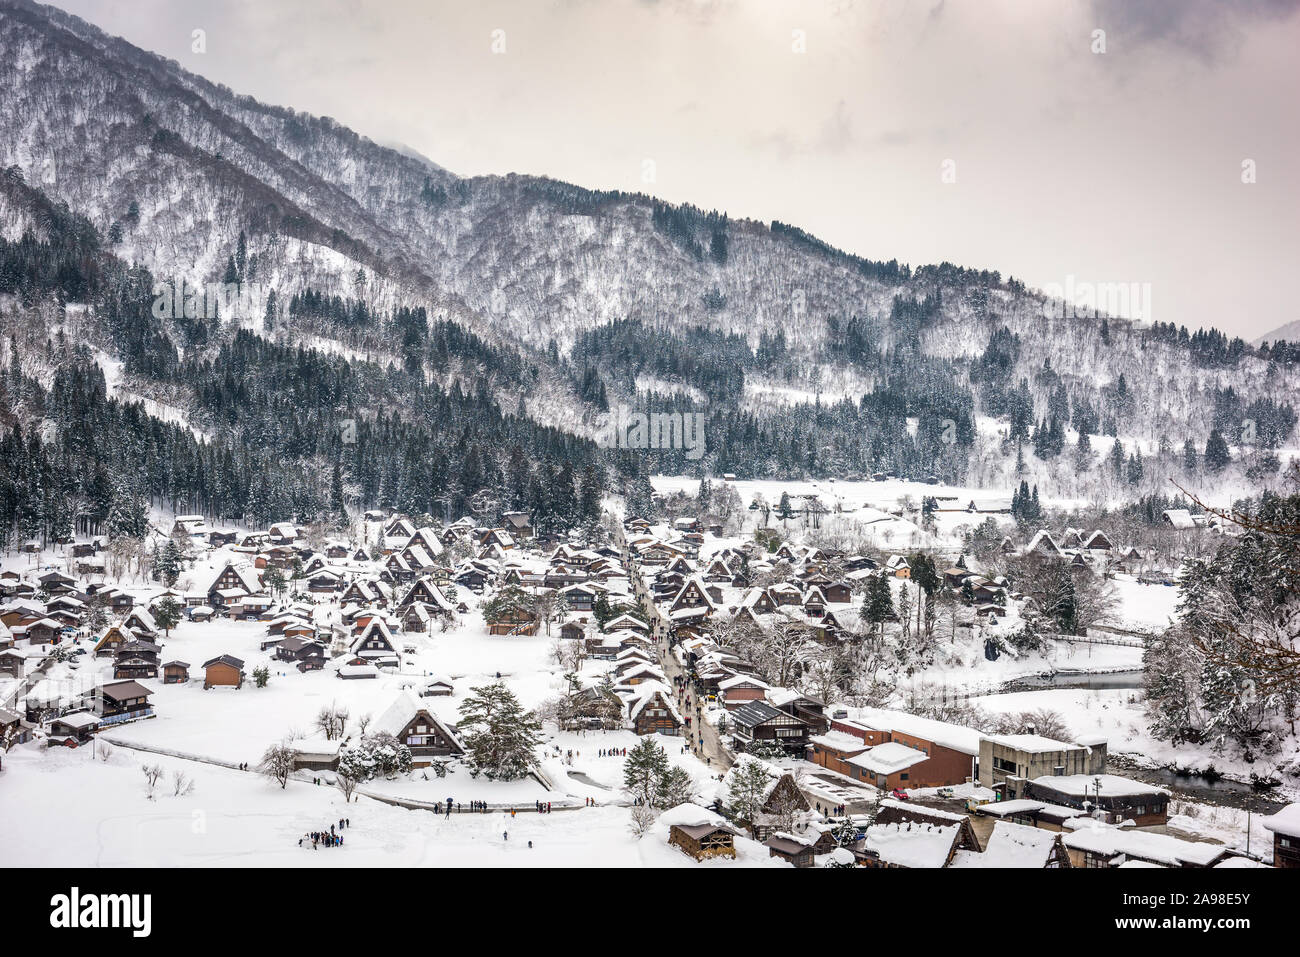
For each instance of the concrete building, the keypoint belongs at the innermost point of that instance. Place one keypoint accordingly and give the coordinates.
(1008, 761)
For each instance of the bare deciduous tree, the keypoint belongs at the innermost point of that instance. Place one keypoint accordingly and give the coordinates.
(643, 818)
(152, 775)
(332, 721)
(277, 763)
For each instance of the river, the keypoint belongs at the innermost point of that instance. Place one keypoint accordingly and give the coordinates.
(1093, 681)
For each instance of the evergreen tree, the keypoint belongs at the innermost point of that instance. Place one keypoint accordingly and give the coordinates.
(168, 563)
(749, 782)
(1116, 458)
(675, 787)
(1217, 455)
(1083, 453)
(500, 736)
(167, 613)
(1135, 469)
(877, 603)
(644, 770)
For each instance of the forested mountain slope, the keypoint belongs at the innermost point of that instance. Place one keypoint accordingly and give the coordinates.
(551, 304)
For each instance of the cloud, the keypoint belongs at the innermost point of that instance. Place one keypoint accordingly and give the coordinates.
(1207, 29)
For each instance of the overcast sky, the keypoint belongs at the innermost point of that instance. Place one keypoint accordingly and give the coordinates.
(838, 116)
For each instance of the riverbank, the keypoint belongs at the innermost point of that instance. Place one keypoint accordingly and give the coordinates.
(1197, 771)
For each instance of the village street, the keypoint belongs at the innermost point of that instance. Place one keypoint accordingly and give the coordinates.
(710, 749)
(713, 752)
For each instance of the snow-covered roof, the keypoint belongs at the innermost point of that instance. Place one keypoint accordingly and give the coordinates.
(888, 758)
(1011, 845)
(645, 692)
(400, 713)
(839, 741)
(1158, 848)
(911, 843)
(954, 736)
(317, 746)
(1009, 808)
(1029, 743)
(1112, 785)
(356, 671)
(1043, 538)
(692, 815)
(78, 719)
(738, 680)
(1285, 821)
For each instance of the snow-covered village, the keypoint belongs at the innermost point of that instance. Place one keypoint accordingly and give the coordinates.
(738, 681)
(722, 438)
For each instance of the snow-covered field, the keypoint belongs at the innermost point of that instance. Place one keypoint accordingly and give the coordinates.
(82, 810)
(73, 809)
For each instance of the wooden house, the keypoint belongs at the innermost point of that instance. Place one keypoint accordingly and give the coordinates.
(72, 729)
(1099, 541)
(1119, 798)
(579, 597)
(788, 849)
(594, 708)
(175, 672)
(121, 701)
(306, 654)
(224, 671)
(739, 690)
(437, 688)
(427, 592)
(907, 844)
(627, 623)
(891, 811)
(362, 592)
(651, 710)
(323, 582)
(415, 726)
(114, 637)
(700, 833)
(12, 662)
(519, 524)
(758, 723)
(136, 659)
(838, 593)
(13, 729)
(1016, 846)
(401, 570)
(376, 643)
(513, 618)
(807, 709)
(1285, 827)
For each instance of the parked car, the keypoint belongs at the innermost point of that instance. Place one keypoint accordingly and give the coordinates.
(898, 795)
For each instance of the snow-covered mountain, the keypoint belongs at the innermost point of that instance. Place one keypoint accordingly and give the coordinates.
(1288, 332)
(172, 170)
